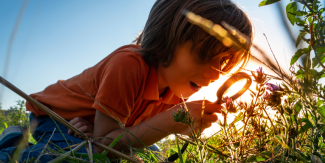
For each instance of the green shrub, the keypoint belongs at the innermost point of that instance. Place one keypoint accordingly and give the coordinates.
(15, 115)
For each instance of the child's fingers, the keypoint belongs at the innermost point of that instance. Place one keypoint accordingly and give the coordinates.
(209, 118)
(85, 129)
(211, 107)
(76, 120)
(79, 125)
(202, 126)
(70, 132)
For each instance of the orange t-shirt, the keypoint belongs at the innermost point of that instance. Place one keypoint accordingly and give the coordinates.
(122, 83)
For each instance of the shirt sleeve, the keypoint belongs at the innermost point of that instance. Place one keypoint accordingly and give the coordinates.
(119, 84)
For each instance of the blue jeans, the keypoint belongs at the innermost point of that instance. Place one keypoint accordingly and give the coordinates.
(42, 134)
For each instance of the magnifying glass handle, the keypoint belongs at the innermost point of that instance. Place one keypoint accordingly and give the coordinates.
(232, 80)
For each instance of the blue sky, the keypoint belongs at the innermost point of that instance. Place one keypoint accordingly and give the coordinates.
(58, 39)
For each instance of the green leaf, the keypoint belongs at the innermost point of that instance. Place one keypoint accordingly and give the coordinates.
(321, 110)
(259, 158)
(314, 72)
(100, 158)
(315, 62)
(320, 103)
(116, 140)
(290, 9)
(310, 20)
(321, 11)
(302, 34)
(305, 127)
(238, 118)
(300, 72)
(267, 2)
(298, 40)
(322, 76)
(301, 13)
(322, 60)
(97, 157)
(319, 52)
(298, 107)
(6, 126)
(278, 137)
(113, 143)
(251, 159)
(266, 154)
(298, 54)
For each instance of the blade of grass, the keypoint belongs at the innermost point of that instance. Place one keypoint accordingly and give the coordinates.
(90, 151)
(60, 158)
(37, 160)
(115, 152)
(113, 143)
(180, 156)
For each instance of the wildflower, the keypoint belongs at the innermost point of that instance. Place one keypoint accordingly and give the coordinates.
(266, 95)
(228, 101)
(259, 76)
(259, 70)
(272, 87)
(183, 109)
(230, 105)
(182, 115)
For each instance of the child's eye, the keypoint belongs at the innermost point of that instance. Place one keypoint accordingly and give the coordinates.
(223, 62)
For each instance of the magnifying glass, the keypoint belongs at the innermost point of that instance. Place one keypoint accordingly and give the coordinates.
(230, 87)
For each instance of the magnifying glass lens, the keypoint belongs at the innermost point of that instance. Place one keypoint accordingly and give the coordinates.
(234, 88)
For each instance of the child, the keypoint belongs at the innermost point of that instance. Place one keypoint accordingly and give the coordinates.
(141, 85)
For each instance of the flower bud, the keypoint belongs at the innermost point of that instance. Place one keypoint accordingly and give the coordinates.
(272, 87)
(259, 76)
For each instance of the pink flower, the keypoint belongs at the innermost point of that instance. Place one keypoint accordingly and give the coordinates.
(259, 70)
(266, 95)
(228, 101)
(272, 87)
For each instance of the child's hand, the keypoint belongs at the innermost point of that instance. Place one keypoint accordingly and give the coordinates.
(209, 116)
(82, 125)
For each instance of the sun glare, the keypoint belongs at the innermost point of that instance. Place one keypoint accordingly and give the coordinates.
(209, 93)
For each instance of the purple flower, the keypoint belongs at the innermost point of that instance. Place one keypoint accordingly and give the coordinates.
(259, 70)
(183, 109)
(272, 87)
(298, 81)
(266, 95)
(259, 76)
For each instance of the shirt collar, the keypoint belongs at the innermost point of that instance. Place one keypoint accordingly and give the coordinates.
(151, 91)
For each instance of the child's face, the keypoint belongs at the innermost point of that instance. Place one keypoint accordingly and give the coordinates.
(185, 75)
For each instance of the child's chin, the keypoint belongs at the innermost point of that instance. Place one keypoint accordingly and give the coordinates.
(185, 95)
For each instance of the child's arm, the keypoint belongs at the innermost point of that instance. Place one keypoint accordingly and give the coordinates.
(154, 129)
